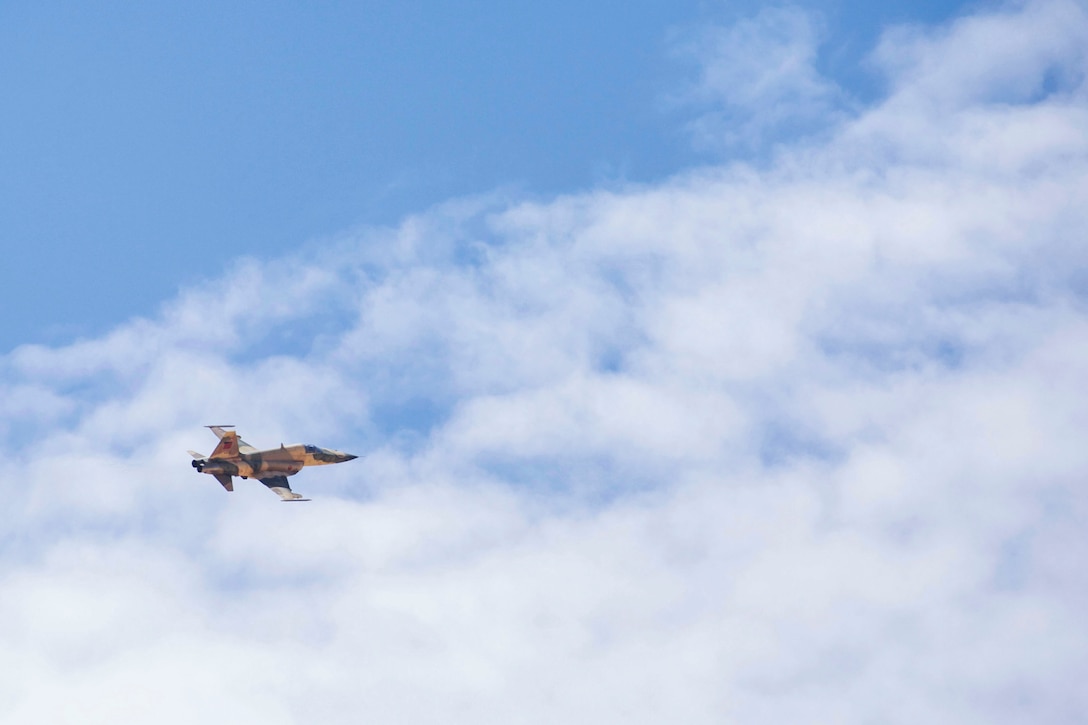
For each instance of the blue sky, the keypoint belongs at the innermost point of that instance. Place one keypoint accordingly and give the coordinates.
(717, 365)
(145, 146)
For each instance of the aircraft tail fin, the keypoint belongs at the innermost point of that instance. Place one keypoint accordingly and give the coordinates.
(228, 445)
(240, 445)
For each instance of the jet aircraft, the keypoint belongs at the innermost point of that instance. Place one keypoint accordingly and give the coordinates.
(234, 457)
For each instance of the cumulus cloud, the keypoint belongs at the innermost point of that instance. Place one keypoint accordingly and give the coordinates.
(795, 443)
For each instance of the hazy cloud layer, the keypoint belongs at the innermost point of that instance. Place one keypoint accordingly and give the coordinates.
(802, 443)
(757, 79)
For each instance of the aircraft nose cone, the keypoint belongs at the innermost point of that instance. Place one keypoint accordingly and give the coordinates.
(349, 457)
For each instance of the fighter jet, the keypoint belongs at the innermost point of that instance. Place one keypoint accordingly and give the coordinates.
(234, 457)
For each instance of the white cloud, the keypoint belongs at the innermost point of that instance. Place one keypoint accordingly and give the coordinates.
(796, 444)
(757, 77)
(956, 67)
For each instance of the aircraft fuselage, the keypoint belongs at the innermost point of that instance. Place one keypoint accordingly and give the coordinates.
(282, 461)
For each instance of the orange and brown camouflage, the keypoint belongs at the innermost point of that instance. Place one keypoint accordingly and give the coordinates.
(234, 457)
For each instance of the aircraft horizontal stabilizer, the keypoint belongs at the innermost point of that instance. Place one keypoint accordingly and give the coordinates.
(198, 456)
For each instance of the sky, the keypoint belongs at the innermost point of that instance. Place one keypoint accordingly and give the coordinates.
(144, 146)
(709, 364)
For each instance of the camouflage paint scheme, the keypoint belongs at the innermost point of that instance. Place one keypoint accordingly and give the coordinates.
(234, 457)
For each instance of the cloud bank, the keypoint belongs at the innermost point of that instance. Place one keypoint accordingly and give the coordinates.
(801, 442)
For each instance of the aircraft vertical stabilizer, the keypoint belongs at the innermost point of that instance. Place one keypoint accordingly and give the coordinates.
(228, 446)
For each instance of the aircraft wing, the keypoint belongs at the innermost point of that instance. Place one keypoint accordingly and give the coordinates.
(279, 486)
